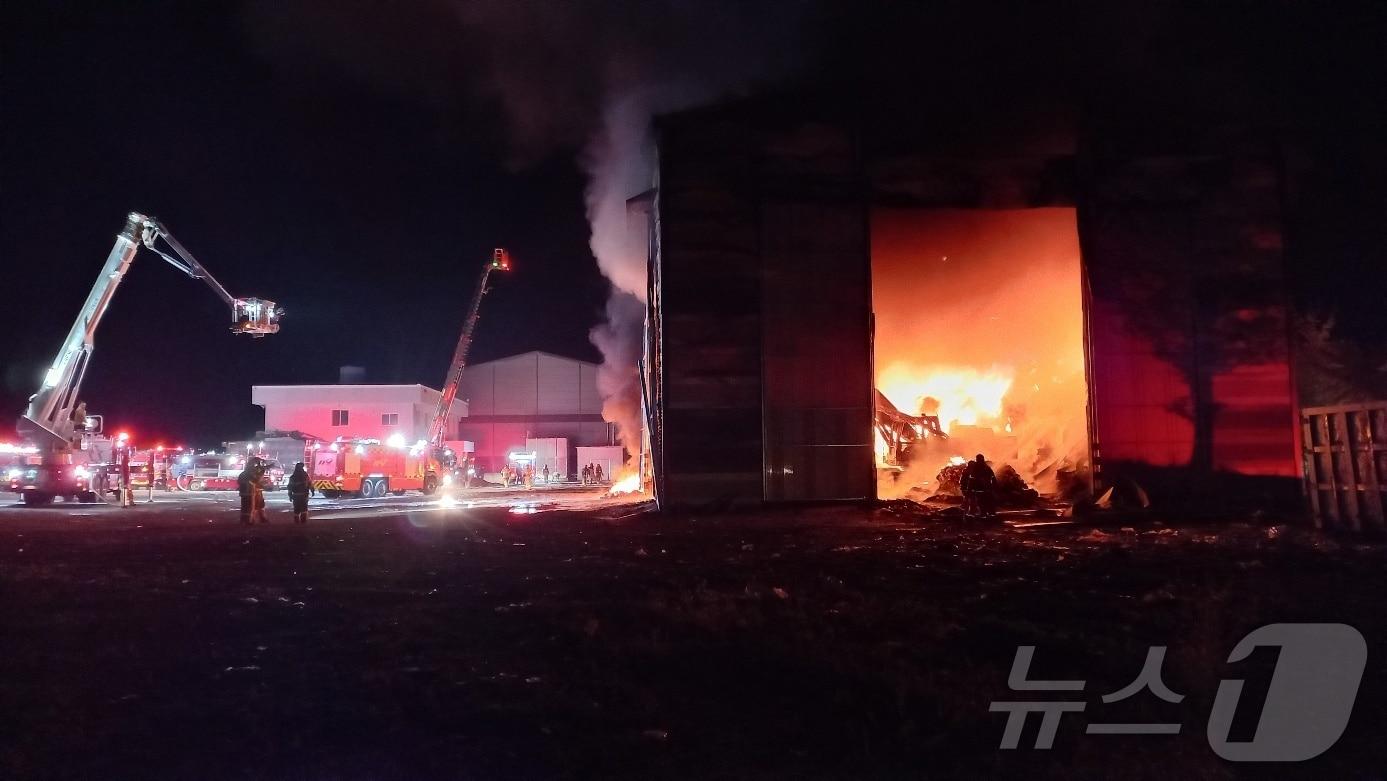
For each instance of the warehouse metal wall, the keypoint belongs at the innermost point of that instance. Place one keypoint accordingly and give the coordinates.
(533, 383)
(1187, 316)
(762, 318)
(531, 395)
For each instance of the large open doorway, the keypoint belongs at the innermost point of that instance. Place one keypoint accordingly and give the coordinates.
(979, 347)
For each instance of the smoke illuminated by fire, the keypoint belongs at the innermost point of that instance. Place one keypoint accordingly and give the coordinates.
(979, 322)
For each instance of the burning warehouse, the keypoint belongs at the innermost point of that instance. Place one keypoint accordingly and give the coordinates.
(842, 304)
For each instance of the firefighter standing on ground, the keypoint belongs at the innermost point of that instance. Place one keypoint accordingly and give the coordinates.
(299, 490)
(245, 486)
(257, 514)
(978, 483)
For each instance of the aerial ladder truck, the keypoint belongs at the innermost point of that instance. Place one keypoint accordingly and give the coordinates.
(371, 468)
(55, 421)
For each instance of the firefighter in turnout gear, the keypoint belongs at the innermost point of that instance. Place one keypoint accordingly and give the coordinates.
(245, 486)
(979, 486)
(300, 488)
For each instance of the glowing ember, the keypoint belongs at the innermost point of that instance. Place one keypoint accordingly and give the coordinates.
(627, 485)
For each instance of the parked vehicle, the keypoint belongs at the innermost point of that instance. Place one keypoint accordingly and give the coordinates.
(370, 468)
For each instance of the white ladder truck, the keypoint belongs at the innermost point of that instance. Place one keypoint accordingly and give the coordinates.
(438, 429)
(55, 420)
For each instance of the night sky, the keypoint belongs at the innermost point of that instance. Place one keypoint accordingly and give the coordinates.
(357, 161)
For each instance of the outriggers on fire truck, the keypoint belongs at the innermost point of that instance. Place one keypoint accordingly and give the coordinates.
(371, 468)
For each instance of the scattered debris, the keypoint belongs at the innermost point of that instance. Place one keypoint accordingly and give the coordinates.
(1012, 490)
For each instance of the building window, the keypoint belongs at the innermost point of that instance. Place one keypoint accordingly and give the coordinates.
(339, 417)
(390, 419)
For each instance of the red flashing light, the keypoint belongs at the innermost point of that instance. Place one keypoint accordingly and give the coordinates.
(122, 435)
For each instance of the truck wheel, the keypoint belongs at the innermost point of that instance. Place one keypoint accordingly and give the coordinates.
(87, 497)
(368, 489)
(37, 499)
(430, 485)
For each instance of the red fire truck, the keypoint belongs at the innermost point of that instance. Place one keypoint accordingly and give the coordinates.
(371, 468)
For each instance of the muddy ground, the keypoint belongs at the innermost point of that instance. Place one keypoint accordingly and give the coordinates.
(492, 642)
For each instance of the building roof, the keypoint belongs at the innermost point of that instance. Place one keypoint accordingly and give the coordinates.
(528, 354)
(342, 394)
(351, 385)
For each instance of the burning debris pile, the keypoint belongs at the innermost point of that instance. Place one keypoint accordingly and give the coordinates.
(1011, 489)
(995, 367)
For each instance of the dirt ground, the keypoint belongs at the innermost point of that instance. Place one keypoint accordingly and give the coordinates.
(516, 641)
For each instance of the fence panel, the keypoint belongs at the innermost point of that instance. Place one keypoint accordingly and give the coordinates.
(1345, 463)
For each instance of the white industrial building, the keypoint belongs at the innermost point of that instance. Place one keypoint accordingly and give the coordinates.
(534, 395)
(327, 412)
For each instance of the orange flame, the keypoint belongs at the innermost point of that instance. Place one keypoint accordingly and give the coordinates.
(627, 485)
(957, 394)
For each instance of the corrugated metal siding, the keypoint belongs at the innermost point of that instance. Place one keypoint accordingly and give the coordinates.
(558, 383)
(817, 388)
(517, 387)
(1189, 349)
(762, 279)
(478, 386)
(710, 293)
(533, 383)
(589, 401)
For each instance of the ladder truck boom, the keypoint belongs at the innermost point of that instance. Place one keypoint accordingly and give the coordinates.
(51, 420)
(500, 261)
